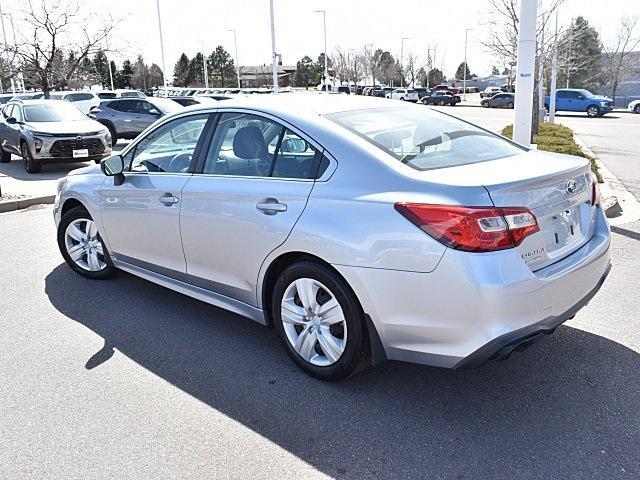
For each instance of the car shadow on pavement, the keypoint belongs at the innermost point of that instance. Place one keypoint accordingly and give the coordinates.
(569, 407)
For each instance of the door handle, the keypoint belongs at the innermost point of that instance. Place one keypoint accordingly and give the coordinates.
(271, 206)
(167, 199)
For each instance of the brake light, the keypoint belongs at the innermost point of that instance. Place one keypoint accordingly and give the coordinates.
(471, 229)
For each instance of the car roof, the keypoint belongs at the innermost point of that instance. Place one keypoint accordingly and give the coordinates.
(317, 103)
(38, 101)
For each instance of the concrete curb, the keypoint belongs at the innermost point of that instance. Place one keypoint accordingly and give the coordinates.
(621, 206)
(13, 205)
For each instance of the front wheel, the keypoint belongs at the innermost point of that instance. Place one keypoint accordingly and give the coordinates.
(320, 321)
(81, 245)
(31, 165)
(593, 111)
(637, 108)
(510, 105)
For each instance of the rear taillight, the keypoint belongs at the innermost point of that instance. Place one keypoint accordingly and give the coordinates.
(472, 229)
(595, 191)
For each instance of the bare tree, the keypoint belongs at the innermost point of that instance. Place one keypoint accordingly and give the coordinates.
(59, 42)
(617, 61)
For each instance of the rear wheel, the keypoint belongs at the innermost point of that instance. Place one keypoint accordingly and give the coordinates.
(510, 105)
(637, 108)
(442, 103)
(30, 164)
(593, 111)
(81, 245)
(112, 132)
(320, 321)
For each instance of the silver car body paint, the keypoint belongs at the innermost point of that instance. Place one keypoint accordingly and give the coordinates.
(428, 303)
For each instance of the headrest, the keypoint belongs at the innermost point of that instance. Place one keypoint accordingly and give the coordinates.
(248, 143)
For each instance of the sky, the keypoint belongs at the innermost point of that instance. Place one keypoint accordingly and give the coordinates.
(191, 25)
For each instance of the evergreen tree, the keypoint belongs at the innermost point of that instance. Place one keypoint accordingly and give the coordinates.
(305, 72)
(140, 78)
(461, 69)
(101, 67)
(580, 49)
(495, 71)
(436, 77)
(222, 67)
(181, 71)
(155, 76)
(196, 71)
(124, 75)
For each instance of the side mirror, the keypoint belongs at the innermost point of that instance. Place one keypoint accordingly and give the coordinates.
(294, 145)
(155, 111)
(94, 109)
(11, 120)
(113, 167)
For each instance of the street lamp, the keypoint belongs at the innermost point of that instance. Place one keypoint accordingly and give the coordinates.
(4, 35)
(235, 43)
(326, 68)
(464, 82)
(164, 69)
(274, 55)
(401, 60)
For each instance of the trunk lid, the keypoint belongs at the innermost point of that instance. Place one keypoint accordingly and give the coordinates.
(556, 188)
(558, 192)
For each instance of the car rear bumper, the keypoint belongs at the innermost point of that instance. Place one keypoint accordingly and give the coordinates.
(473, 307)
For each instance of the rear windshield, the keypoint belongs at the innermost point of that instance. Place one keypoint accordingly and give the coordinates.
(425, 139)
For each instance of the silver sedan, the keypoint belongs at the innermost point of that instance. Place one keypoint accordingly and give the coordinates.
(360, 230)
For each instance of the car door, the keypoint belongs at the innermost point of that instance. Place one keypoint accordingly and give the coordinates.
(8, 131)
(563, 102)
(141, 217)
(251, 190)
(121, 113)
(144, 114)
(15, 129)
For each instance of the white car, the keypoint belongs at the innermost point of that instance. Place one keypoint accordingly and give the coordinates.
(120, 93)
(406, 94)
(83, 101)
(490, 92)
(634, 106)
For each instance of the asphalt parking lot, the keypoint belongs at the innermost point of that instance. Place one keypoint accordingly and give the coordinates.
(125, 379)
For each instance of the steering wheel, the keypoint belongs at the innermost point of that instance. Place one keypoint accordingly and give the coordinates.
(180, 162)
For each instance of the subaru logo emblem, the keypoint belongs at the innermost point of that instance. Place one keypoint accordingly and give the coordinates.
(571, 186)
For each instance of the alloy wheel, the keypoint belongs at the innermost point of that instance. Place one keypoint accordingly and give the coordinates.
(84, 245)
(593, 111)
(313, 322)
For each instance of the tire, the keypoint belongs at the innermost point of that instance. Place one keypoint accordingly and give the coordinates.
(510, 105)
(593, 111)
(67, 240)
(442, 103)
(30, 164)
(347, 339)
(636, 109)
(5, 157)
(112, 132)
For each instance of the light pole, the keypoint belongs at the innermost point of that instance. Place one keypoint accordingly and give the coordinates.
(235, 44)
(401, 60)
(464, 81)
(525, 72)
(205, 71)
(164, 66)
(274, 55)
(554, 76)
(569, 57)
(326, 64)
(4, 36)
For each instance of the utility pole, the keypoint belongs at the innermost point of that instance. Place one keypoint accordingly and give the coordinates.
(569, 57)
(164, 66)
(464, 82)
(205, 72)
(325, 76)
(4, 36)
(235, 44)
(554, 76)
(525, 72)
(541, 77)
(274, 63)
(402, 60)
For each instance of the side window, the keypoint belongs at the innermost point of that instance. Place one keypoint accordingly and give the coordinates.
(106, 95)
(295, 157)
(122, 106)
(7, 111)
(142, 106)
(17, 113)
(169, 148)
(562, 94)
(243, 145)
